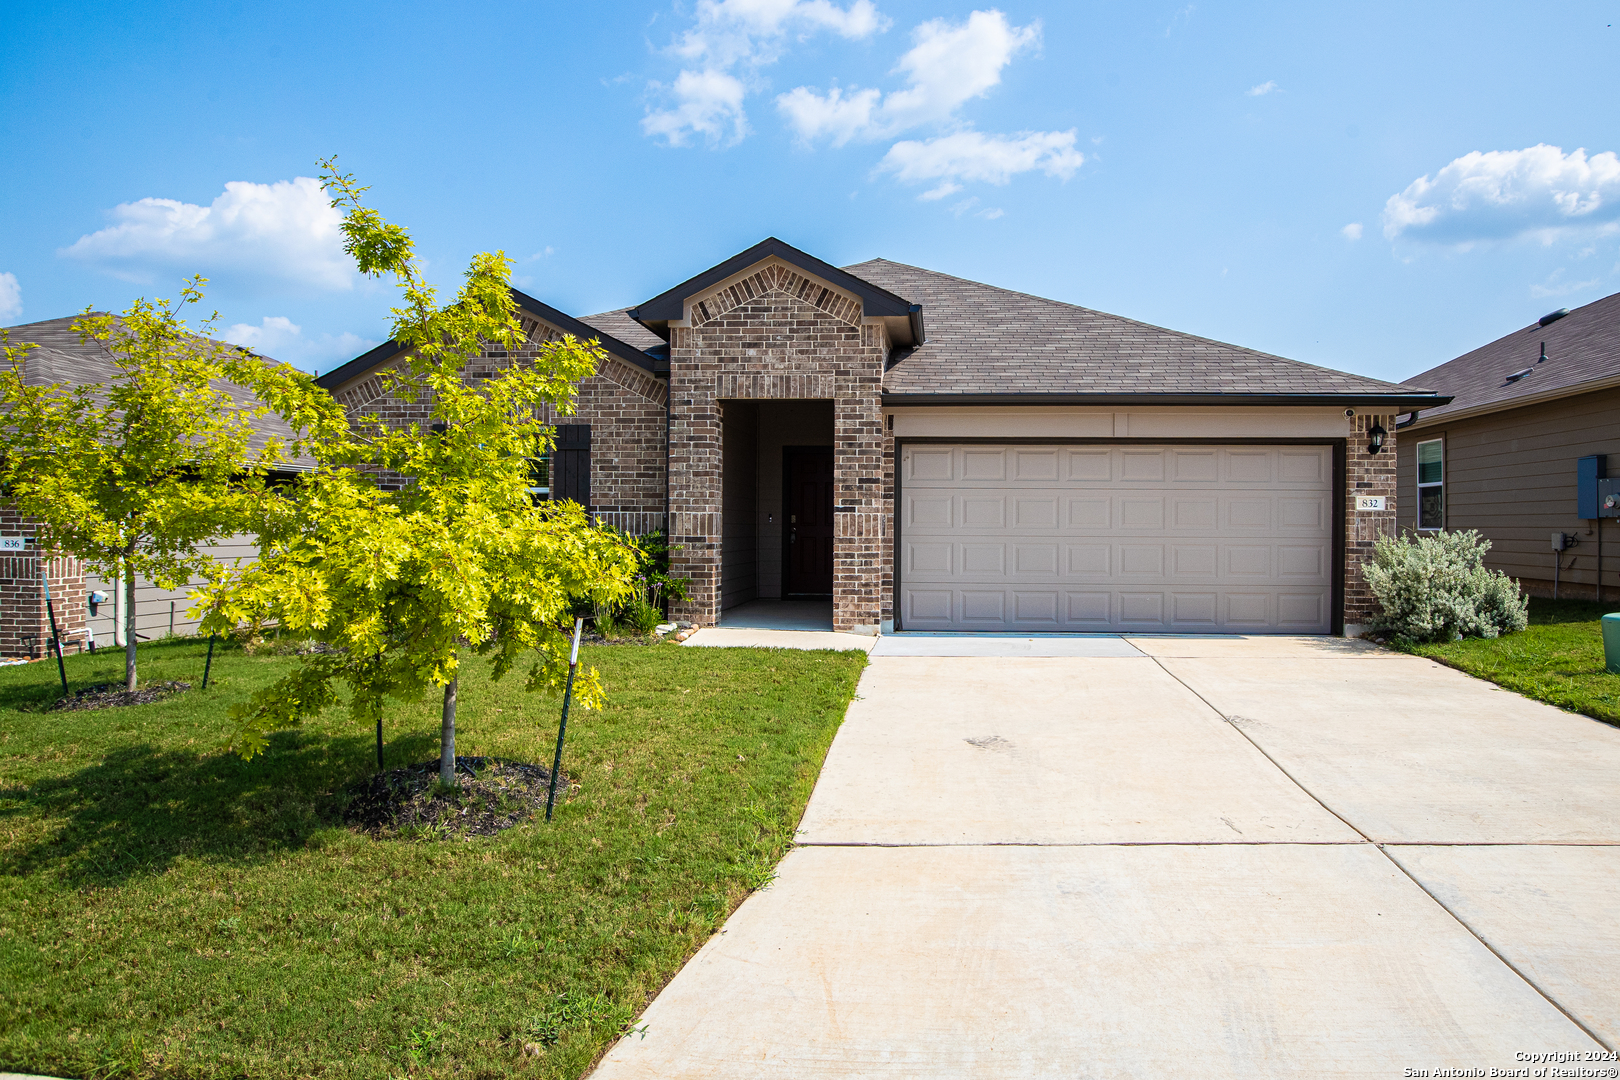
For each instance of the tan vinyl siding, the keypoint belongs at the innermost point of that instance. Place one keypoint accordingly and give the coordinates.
(1511, 475)
(152, 603)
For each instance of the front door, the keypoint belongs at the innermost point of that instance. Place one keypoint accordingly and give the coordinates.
(808, 472)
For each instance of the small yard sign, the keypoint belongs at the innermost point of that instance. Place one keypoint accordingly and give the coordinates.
(1369, 502)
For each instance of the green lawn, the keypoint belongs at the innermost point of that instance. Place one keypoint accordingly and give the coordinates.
(1557, 659)
(168, 910)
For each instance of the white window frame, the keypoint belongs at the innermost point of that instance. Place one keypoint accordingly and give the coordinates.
(1417, 472)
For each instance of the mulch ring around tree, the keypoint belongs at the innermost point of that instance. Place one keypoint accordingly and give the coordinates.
(491, 795)
(113, 695)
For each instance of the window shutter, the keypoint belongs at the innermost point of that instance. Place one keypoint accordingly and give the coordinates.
(571, 464)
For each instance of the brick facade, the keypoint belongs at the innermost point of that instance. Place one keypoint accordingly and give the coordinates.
(623, 404)
(1365, 474)
(774, 332)
(778, 334)
(25, 627)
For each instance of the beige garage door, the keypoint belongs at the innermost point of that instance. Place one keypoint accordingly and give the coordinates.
(1213, 539)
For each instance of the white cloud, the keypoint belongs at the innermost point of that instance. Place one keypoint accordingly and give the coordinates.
(285, 231)
(1351, 231)
(10, 297)
(710, 104)
(1267, 87)
(732, 35)
(279, 338)
(970, 156)
(948, 65)
(1507, 193)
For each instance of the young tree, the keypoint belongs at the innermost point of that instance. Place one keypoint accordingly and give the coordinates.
(402, 584)
(133, 476)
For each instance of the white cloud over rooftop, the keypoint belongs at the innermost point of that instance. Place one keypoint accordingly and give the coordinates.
(286, 231)
(1502, 194)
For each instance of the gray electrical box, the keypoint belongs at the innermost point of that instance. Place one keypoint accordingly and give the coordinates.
(1608, 498)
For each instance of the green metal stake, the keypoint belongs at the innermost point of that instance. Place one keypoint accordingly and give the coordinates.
(208, 665)
(56, 635)
(562, 728)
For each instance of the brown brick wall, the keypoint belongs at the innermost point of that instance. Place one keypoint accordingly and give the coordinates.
(779, 334)
(1365, 474)
(623, 404)
(24, 626)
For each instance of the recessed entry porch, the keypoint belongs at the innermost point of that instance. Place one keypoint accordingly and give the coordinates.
(776, 550)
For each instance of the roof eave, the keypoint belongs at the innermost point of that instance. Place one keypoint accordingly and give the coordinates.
(1396, 402)
(1486, 408)
(366, 362)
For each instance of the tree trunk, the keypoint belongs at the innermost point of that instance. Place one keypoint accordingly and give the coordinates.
(447, 735)
(129, 628)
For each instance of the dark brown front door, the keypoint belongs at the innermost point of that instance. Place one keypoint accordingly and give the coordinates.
(808, 475)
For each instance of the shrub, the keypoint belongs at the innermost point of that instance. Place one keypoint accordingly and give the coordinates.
(1436, 588)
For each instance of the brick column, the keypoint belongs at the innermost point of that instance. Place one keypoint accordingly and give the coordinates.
(1365, 474)
(25, 627)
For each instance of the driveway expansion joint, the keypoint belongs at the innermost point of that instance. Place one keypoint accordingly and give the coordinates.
(1382, 850)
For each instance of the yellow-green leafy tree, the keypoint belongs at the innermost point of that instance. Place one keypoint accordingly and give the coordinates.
(403, 581)
(136, 476)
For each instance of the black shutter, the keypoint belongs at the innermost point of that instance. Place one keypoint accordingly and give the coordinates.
(571, 464)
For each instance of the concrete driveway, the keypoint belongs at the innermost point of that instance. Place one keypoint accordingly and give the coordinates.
(1199, 857)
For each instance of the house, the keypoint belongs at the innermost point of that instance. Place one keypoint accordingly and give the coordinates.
(62, 356)
(936, 454)
(1502, 456)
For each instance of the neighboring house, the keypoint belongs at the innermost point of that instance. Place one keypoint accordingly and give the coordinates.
(63, 357)
(1501, 457)
(937, 454)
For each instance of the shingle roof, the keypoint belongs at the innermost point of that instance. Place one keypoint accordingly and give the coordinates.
(1582, 347)
(619, 324)
(987, 341)
(63, 357)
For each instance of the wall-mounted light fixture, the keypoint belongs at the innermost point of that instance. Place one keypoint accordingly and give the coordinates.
(1375, 438)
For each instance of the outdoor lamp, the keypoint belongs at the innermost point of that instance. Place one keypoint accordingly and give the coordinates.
(1375, 438)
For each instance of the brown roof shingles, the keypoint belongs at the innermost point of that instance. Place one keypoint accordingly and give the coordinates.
(985, 340)
(1582, 347)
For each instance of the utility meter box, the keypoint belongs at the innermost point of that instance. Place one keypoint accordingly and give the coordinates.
(1589, 471)
(1608, 498)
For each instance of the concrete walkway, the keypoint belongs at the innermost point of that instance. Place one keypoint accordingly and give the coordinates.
(1199, 857)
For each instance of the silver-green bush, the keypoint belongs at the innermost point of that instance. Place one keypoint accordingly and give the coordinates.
(1436, 588)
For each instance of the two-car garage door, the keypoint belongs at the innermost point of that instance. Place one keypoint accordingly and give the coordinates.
(1192, 538)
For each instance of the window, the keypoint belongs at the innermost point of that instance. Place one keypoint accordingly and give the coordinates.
(540, 477)
(1431, 469)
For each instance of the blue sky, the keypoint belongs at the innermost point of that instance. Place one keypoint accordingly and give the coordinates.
(1374, 187)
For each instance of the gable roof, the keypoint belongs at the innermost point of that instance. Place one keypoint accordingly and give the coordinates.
(64, 357)
(563, 321)
(987, 344)
(1583, 354)
(876, 301)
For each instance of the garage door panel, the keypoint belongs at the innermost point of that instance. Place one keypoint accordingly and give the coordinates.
(1099, 538)
(1197, 514)
(922, 465)
(1249, 466)
(1095, 512)
(984, 511)
(1089, 560)
(1035, 466)
(1090, 466)
(1193, 466)
(981, 465)
(1142, 465)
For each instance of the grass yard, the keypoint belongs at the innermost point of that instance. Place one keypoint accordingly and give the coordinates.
(169, 910)
(1557, 659)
